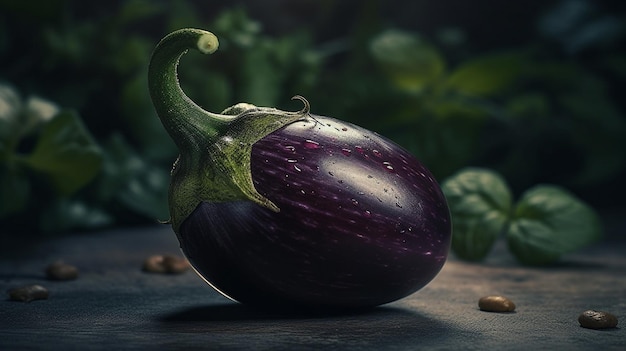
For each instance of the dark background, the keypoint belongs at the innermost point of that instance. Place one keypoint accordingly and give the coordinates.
(556, 117)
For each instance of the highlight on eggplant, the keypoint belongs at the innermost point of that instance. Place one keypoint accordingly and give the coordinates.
(292, 209)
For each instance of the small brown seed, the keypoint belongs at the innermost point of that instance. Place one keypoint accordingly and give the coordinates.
(597, 320)
(154, 264)
(61, 271)
(165, 264)
(28, 293)
(496, 304)
(175, 264)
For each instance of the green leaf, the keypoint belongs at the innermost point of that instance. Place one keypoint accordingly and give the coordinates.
(487, 76)
(548, 222)
(480, 203)
(411, 63)
(66, 154)
(132, 183)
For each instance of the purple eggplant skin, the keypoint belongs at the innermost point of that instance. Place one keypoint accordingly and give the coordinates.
(362, 223)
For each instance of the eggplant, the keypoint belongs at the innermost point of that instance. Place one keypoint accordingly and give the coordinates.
(291, 209)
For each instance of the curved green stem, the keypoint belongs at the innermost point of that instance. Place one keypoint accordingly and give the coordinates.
(183, 119)
(215, 149)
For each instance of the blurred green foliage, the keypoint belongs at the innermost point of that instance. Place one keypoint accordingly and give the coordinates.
(81, 147)
(543, 224)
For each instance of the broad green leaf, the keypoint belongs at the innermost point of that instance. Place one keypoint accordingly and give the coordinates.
(487, 76)
(480, 204)
(410, 62)
(66, 153)
(548, 222)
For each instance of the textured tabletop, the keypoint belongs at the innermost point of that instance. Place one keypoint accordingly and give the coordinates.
(113, 305)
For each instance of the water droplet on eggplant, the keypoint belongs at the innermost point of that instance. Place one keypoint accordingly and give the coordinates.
(388, 167)
(310, 144)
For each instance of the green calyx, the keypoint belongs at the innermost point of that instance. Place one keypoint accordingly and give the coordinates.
(215, 149)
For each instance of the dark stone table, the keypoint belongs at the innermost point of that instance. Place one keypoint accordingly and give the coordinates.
(113, 305)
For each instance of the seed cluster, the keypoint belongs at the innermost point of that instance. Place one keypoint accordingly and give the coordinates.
(58, 270)
(61, 271)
